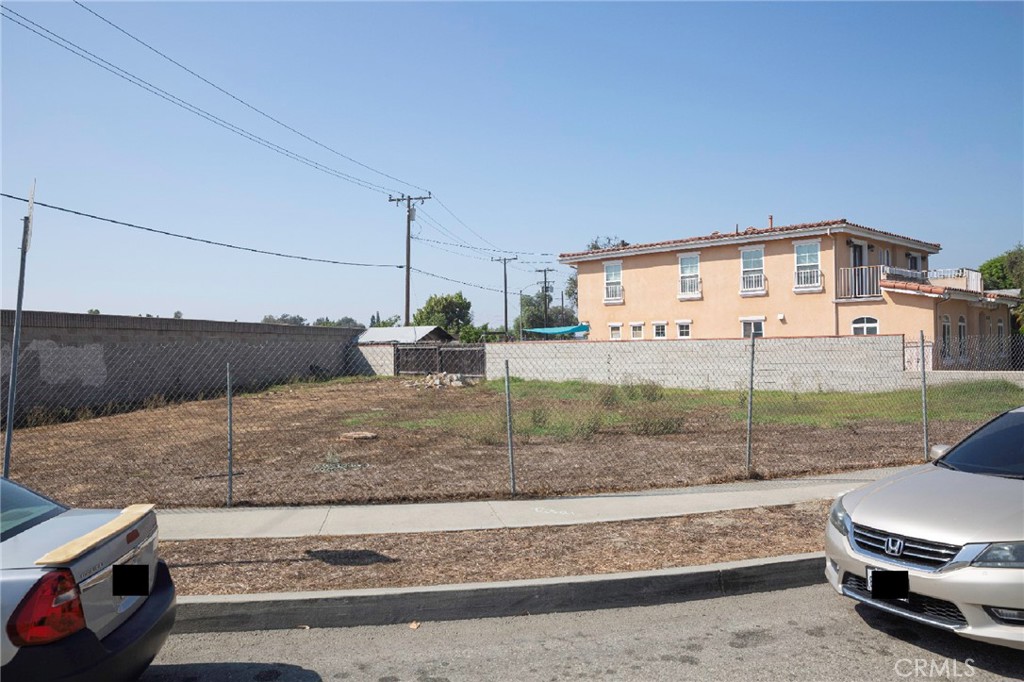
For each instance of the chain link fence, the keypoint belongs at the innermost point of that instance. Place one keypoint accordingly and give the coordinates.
(325, 423)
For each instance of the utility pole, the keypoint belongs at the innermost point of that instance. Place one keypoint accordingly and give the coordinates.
(546, 271)
(504, 269)
(12, 387)
(410, 215)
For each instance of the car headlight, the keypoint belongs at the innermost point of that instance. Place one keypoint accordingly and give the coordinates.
(838, 517)
(1001, 555)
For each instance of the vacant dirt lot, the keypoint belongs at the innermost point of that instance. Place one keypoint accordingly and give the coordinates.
(291, 446)
(416, 559)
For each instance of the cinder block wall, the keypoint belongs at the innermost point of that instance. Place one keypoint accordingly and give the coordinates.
(71, 360)
(810, 364)
(372, 359)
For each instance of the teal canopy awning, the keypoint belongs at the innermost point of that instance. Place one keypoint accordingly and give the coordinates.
(560, 330)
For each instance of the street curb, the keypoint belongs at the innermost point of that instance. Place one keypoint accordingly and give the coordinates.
(349, 608)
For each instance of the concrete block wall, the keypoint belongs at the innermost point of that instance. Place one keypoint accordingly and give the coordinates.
(371, 359)
(71, 361)
(808, 364)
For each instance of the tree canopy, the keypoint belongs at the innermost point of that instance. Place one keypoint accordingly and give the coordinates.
(531, 313)
(572, 286)
(451, 312)
(377, 321)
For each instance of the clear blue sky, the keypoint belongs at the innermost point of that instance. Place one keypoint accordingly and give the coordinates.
(539, 125)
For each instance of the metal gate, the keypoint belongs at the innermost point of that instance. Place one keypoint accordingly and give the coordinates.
(426, 358)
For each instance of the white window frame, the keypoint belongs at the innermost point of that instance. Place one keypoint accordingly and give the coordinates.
(614, 327)
(664, 329)
(689, 329)
(612, 300)
(961, 337)
(864, 325)
(947, 338)
(807, 284)
(689, 292)
(752, 291)
(632, 331)
(885, 257)
(752, 320)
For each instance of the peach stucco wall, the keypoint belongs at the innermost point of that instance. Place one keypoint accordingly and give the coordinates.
(651, 288)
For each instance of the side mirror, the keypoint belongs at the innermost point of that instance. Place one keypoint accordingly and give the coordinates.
(938, 451)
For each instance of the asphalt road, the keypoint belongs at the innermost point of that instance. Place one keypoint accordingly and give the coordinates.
(801, 634)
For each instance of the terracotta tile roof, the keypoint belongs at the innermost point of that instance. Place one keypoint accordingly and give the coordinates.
(925, 288)
(749, 232)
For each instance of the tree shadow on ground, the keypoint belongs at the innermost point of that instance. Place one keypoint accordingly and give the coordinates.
(235, 672)
(350, 557)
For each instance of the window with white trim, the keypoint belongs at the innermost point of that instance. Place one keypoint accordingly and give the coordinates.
(865, 326)
(636, 330)
(660, 330)
(808, 262)
(961, 336)
(947, 332)
(613, 281)
(753, 328)
(752, 269)
(689, 275)
(615, 332)
(683, 329)
(886, 257)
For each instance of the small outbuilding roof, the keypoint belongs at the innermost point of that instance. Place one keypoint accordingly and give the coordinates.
(404, 335)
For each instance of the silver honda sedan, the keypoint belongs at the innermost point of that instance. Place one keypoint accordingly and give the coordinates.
(83, 595)
(941, 543)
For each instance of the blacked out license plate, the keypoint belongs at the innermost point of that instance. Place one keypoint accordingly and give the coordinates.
(887, 584)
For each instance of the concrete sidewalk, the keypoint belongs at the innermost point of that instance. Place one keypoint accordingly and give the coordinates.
(285, 522)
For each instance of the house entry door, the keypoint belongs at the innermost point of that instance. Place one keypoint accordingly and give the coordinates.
(860, 273)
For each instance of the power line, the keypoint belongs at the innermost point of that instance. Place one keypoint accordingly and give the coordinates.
(200, 239)
(187, 106)
(211, 242)
(483, 239)
(245, 103)
(481, 248)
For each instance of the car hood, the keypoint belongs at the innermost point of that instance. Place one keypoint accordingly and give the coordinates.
(23, 549)
(941, 505)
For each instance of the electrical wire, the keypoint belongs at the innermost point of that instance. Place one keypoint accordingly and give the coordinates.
(187, 106)
(200, 239)
(456, 281)
(481, 238)
(480, 248)
(245, 103)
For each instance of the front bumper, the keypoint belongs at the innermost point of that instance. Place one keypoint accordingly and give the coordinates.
(122, 655)
(953, 600)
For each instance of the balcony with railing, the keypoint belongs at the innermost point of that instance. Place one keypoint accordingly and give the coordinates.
(865, 281)
(753, 283)
(689, 287)
(613, 293)
(807, 280)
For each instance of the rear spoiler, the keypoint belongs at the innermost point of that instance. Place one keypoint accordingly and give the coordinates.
(79, 546)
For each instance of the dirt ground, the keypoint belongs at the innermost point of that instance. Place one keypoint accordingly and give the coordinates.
(291, 447)
(418, 559)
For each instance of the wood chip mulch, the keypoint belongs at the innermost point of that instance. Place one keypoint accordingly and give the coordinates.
(419, 559)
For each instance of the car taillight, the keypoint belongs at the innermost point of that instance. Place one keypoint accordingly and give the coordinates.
(50, 611)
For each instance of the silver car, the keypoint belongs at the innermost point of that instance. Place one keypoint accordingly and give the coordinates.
(941, 543)
(82, 593)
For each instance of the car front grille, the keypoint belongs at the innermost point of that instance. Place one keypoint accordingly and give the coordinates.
(916, 552)
(936, 609)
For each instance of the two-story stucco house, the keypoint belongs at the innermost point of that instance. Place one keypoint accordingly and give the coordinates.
(830, 278)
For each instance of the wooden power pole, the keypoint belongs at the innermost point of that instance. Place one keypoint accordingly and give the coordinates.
(410, 215)
(504, 269)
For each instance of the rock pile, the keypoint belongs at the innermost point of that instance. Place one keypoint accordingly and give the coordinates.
(440, 380)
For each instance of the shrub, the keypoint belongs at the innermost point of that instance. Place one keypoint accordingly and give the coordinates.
(648, 391)
(656, 425)
(539, 417)
(608, 396)
(587, 427)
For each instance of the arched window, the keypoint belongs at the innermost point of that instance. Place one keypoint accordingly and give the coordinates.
(865, 326)
(961, 336)
(946, 333)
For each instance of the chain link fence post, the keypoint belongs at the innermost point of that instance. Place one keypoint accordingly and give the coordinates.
(231, 453)
(508, 421)
(750, 409)
(924, 397)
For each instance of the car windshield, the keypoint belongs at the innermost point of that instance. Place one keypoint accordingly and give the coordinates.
(20, 509)
(996, 449)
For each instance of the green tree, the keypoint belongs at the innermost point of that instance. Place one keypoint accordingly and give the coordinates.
(1006, 271)
(471, 334)
(393, 321)
(572, 286)
(178, 315)
(451, 312)
(94, 311)
(340, 322)
(285, 318)
(531, 313)
(995, 274)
